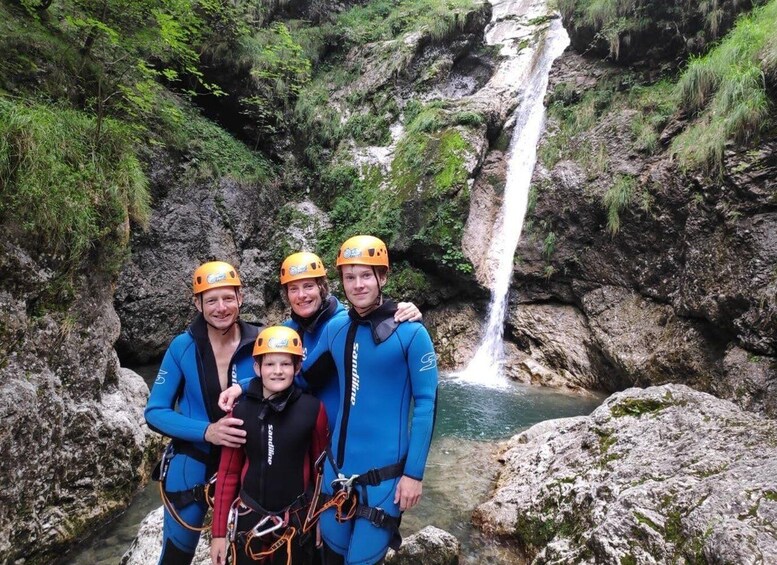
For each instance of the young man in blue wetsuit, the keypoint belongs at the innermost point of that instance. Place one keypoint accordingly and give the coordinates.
(377, 451)
(211, 354)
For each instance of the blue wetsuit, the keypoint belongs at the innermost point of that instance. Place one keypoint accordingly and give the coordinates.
(183, 402)
(310, 330)
(381, 367)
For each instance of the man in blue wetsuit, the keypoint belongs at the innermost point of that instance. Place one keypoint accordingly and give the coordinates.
(378, 452)
(214, 352)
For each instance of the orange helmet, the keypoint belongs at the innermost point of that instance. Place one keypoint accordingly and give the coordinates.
(363, 250)
(302, 265)
(278, 339)
(214, 275)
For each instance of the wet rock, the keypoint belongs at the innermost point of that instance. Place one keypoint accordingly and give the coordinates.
(430, 546)
(147, 546)
(74, 446)
(484, 214)
(455, 330)
(655, 475)
(557, 348)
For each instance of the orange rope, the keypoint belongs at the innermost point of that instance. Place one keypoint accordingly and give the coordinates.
(338, 501)
(285, 539)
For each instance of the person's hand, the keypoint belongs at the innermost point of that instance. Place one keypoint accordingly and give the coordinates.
(227, 398)
(226, 432)
(408, 493)
(218, 551)
(407, 311)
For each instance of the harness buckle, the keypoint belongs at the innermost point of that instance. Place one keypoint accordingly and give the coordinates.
(373, 477)
(377, 516)
(278, 523)
(164, 464)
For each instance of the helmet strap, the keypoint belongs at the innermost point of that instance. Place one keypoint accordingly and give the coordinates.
(379, 300)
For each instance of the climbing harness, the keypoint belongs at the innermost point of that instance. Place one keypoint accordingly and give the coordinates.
(181, 499)
(271, 532)
(347, 502)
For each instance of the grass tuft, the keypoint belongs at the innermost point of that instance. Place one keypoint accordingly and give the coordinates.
(66, 189)
(727, 90)
(617, 199)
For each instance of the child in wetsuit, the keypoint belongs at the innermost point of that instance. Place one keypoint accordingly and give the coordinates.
(263, 488)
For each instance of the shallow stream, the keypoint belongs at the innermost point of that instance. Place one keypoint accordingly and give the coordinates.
(471, 419)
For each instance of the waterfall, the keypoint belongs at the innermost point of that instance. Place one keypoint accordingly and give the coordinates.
(486, 366)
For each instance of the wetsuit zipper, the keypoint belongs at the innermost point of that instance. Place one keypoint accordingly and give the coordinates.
(265, 451)
(348, 391)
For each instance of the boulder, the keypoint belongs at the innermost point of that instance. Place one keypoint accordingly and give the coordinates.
(655, 475)
(147, 546)
(430, 546)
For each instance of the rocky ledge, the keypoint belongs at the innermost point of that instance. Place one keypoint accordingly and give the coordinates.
(660, 475)
(430, 546)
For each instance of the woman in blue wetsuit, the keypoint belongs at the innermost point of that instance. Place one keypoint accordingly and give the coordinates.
(378, 452)
(211, 354)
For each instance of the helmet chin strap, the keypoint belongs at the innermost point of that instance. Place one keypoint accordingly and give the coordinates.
(379, 300)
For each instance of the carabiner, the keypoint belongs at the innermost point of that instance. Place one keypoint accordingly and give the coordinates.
(345, 483)
(232, 523)
(278, 524)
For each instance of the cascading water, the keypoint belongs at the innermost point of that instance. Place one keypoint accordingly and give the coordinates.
(486, 366)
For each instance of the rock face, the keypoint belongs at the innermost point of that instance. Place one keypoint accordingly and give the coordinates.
(651, 476)
(647, 32)
(193, 221)
(682, 288)
(430, 546)
(73, 444)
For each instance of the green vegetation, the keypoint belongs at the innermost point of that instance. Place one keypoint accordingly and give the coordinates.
(727, 91)
(383, 20)
(68, 184)
(616, 21)
(408, 283)
(211, 150)
(549, 245)
(636, 407)
(616, 200)
(642, 519)
(573, 117)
